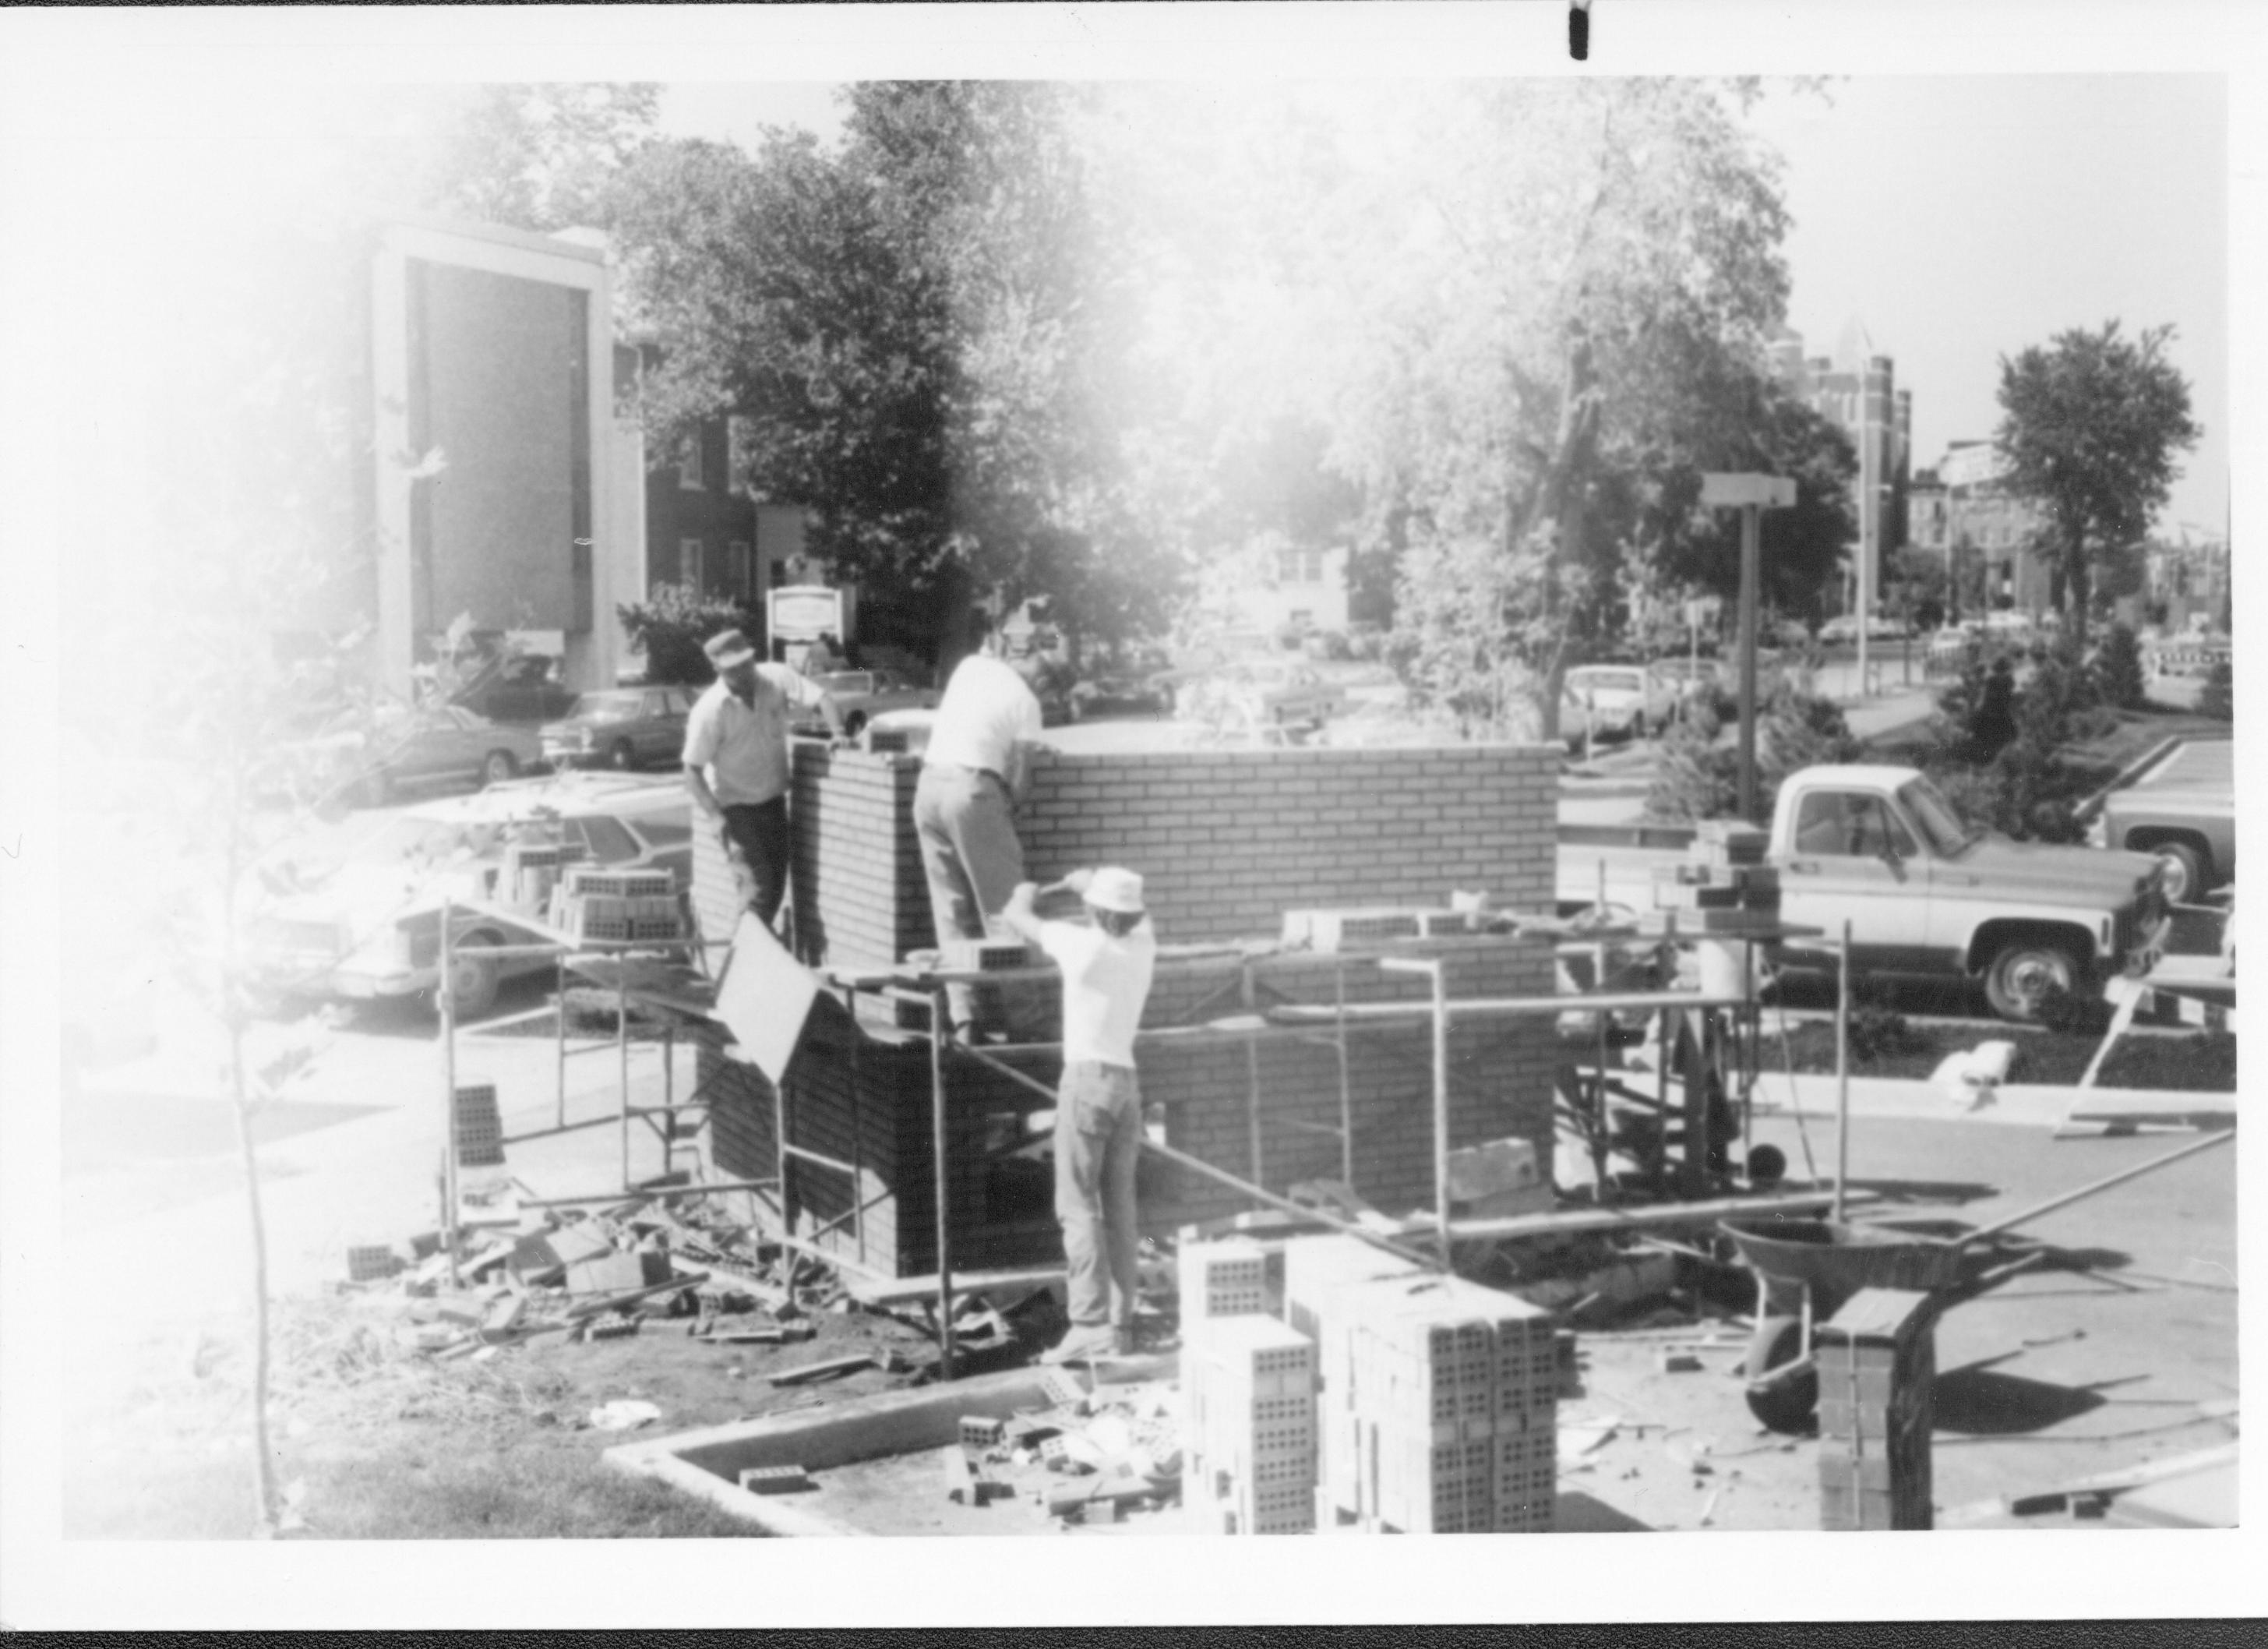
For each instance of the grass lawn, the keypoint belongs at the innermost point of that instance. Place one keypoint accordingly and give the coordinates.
(375, 1442)
(2196, 1062)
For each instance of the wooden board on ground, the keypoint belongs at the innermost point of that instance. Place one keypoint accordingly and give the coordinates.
(900, 1290)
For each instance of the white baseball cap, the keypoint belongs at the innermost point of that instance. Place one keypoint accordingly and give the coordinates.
(1114, 889)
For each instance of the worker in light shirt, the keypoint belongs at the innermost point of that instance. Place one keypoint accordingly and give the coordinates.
(974, 774)
(1107, 963)
(738, 769)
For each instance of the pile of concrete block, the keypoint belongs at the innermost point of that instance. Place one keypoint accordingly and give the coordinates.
(1723, 885)
(618, 907)
(1391, 1398)
(1877, 1357)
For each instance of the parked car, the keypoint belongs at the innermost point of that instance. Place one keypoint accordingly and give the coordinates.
(861, 695)
(2179, 805)
(523, 688)
(1120, 691)
(358, 916)
(367, 760)
(1613, 701)
(623, 728)
(1691, 681)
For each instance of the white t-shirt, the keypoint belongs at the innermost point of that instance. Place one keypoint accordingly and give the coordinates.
(744, 746)
(987, 709)
(1106, 980)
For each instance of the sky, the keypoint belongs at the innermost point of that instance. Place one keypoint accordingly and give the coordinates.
(1957, 218)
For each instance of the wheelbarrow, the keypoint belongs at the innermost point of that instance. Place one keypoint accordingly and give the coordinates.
(1806, 1269)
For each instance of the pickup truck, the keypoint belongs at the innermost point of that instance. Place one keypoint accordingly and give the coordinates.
(1925, 894)
(2179, 803)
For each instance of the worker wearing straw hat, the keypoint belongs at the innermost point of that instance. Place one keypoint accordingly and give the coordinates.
(1107, 963)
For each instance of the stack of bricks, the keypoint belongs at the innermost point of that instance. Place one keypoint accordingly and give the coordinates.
(1216, 1281)
(480, 1129)
(1454, 1394)
(1877, 1357)
(1318, 1272)
(619, 906)
(1723, 885)
(1248, 1396)
(532, 871)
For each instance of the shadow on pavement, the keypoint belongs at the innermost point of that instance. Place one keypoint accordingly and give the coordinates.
(1577, 1514)
(1983, 1404)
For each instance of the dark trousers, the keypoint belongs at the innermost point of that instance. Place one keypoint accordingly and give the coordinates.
(755, 838)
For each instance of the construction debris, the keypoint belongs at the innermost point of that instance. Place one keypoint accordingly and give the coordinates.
(598, 1273)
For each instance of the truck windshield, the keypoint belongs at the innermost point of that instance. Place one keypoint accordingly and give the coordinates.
(1935, 817)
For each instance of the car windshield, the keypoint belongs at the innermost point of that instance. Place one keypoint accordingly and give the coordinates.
(1608, 680)
(1926, 805)
(608, 706)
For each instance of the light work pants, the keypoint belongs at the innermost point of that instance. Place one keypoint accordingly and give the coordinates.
(1098, 1137)
(972, 859)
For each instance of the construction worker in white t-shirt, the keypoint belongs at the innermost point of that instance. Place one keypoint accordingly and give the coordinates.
(974, 773)
(1107, 963)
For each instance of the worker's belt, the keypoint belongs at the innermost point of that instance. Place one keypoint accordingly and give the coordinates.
(1106, 1065)
(981, 772)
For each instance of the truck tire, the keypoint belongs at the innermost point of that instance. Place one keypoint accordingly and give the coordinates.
(2023, 972)
(2184, 875)
(855, 723)
(500, 765)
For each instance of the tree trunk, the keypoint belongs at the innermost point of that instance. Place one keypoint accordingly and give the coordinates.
(1558, 500)
(263, 1476)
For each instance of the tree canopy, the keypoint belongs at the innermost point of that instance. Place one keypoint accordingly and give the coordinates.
(2090, 426)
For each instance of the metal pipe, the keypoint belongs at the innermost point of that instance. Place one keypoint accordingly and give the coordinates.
(1437, 977)
(1197, 1164)
(623, 1054)
(1841, 1070)
(1751, 556)
(2103, 1184)
(445, 999)
(1251, 1002)
(941, 1021)
(559, 1029)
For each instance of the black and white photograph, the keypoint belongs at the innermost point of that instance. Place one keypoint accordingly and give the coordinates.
(1096, 772)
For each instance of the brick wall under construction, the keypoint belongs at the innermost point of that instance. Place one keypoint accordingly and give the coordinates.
(1227, 841)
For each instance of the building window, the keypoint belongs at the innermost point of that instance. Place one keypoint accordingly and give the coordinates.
(688, 562)
(690, 473)
(736, 559)
(1313, 566)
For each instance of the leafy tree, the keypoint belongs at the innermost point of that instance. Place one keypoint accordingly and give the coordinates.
(1917, 588)
(1580, 290)
(671, 625)
(2118, 677)
(919, 331)
(1698, 774)
(2090, 426)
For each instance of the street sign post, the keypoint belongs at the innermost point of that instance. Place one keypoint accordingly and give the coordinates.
(1751, 494)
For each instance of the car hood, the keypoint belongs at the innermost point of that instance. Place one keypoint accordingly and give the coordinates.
(360, 895)
(2054, 873)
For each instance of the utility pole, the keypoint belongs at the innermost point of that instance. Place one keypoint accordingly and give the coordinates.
(1751, 494)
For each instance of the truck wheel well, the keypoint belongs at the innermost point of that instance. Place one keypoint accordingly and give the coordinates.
(1994, 936)
(2150, 836)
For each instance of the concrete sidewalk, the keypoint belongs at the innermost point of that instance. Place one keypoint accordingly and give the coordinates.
(2024, 1104)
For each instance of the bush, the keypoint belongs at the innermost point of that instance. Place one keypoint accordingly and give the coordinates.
(2118, 679)
(1883, 1033)
(2002, 763)
(2217, 697)
(670, 628)
(2067, 1014)
(1697, 775)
